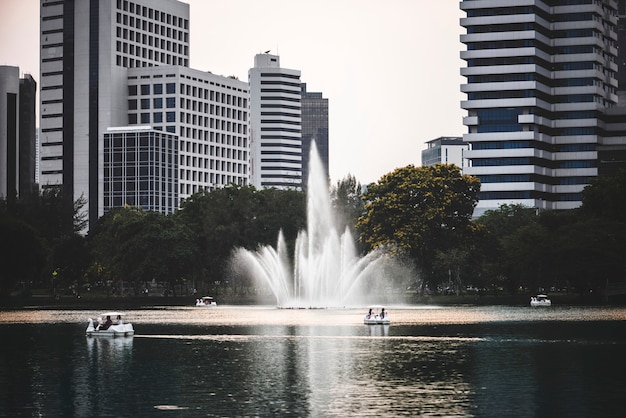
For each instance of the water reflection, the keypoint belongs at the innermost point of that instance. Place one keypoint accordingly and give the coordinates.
(260, 361)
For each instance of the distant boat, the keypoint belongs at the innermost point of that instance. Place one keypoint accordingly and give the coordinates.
(206, 301)
(112, 326)
(376, 316)
(540, 300)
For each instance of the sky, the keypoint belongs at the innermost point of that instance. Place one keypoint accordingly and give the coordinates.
(390, 69)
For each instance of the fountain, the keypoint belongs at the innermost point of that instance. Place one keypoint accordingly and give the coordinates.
(326, 270)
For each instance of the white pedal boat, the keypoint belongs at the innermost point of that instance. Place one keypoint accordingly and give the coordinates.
(206, 301)
(112, 326)
(376, 316)
(540, 300)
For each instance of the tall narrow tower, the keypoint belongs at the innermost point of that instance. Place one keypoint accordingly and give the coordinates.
(86, 48)
(275, 124)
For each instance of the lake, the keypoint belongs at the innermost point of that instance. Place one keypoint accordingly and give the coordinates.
(448, 361)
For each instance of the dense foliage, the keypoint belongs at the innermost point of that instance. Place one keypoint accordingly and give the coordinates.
(425, 213)
(421, 214)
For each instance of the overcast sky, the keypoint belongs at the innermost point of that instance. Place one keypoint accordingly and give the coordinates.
(390, 68)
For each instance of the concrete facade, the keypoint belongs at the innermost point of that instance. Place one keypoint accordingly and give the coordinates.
(540, 78)
(275, 124)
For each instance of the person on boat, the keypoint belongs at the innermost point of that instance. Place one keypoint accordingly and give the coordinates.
(106, 324)
(369, 314)
(119, 320)
(382, 313)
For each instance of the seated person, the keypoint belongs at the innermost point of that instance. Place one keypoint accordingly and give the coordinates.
(106, 324)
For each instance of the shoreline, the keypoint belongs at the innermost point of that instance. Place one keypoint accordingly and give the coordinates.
(151, 302)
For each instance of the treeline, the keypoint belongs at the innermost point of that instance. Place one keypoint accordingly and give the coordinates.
(420, 215)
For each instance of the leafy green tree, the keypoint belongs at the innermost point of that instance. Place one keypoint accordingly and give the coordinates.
(138, 247)
(497, 269)
(605, 197)
(22, 257)
(420, 210)
(237, 216)
(346, 199)
(71, 259)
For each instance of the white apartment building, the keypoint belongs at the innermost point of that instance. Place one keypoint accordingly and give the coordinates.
(208, 113)
(540, 76)
(275, 124)
(86, 50)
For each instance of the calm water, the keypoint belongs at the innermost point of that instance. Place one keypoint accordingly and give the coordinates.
(261, 361)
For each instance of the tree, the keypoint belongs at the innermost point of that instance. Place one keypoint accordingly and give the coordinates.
(498, 267)
(138, 247)
(606, 197)
(22, 257)
(346, 199)
(419, 210)
(237, 216)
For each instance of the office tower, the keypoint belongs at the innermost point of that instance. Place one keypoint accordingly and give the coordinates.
(445, 150)
(28, 136)
(275, 124)
(17, 133)
(621, 51)
(208, 113)
(140, 169)
(314, 109)
(87, 48)
(540, 77)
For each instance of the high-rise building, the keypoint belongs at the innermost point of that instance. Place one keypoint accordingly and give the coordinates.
(17, 133)
(541, 75)
(140, 169)
(87, 48)
(314, 109)
(445, 150)
(208, 113)
(275, 124)
(621, 51)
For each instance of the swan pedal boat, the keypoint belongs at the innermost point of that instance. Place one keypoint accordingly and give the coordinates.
(119, 328)
(206, 301)
(376, 318)
(540, 300)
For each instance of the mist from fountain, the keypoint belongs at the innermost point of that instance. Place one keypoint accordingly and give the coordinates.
(327, 270)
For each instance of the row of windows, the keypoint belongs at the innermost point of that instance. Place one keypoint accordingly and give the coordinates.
(530, 194)
(126, 62)
(147, 118)
(151, 35)
(208, 177)
(143, 51)
(188, 90)
(193, 105)
(213, 182)
(149, 13)
(534, 178)
(491, 145)
(511, 161)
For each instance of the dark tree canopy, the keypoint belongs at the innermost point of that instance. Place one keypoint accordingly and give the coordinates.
(420, 210)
